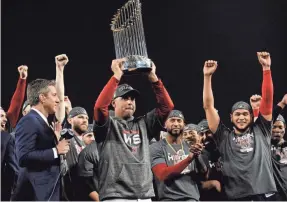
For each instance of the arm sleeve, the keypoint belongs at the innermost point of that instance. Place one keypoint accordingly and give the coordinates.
(156, 118)
(26, 145)
(101, 111)
(159, 166)
(16, 102)
(267, 93)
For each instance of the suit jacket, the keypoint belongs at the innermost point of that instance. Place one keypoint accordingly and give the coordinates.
(9, 166)
(39, 170)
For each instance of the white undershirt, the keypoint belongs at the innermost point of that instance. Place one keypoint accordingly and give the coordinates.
(46, 120)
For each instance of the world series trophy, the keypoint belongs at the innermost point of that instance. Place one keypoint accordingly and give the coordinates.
(129, 38)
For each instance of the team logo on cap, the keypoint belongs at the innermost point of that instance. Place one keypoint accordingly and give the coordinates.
(125, 87)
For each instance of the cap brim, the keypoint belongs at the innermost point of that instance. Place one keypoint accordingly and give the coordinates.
(204, 130)
(134, 93)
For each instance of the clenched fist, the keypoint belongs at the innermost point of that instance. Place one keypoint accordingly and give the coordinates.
(117, 66)
(255, 101)
(63, 146)
(209, 67)
(23, 71)
(264, 59)
(61, 61)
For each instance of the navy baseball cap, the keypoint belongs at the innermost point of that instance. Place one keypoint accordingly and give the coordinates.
(125, 89)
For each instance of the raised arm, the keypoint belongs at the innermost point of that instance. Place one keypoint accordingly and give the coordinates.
(68, 105)
(267, 85)
(208, 99)
(283, 102)
(255, 101)
(18, 97)
(61, 61)
(165, 104)
(101, 111)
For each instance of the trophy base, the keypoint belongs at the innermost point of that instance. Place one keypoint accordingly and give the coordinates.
(136, 64)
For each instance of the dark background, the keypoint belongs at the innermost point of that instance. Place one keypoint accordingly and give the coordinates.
(180, 36)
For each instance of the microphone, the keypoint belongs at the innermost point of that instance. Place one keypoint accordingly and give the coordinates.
(66, 134)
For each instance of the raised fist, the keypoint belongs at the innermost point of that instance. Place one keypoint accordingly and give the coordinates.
(255, 101)
(23, 71)
(264, 59)
(209, 67)
(117, 66)
(63, 146)
(61, 61)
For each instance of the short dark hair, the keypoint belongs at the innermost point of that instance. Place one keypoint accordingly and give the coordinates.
(37, 87)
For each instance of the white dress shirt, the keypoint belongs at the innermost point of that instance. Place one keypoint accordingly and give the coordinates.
(46, 120)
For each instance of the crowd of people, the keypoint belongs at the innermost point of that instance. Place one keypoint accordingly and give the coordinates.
(57, 152)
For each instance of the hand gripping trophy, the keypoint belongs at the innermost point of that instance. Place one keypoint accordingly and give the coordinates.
(129, 39)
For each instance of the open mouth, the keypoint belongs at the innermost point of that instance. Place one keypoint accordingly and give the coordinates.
(276, 135)
(3, 125)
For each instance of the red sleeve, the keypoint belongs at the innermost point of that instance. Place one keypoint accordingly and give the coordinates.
(16, 102)
(163, 172)
(255, 112)
(267, 93)
(165, 104)
(101, 108)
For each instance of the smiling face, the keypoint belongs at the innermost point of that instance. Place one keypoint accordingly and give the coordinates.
(191, 136)
(241, 118)
(50, 100)
(124, 106)
(3, 119)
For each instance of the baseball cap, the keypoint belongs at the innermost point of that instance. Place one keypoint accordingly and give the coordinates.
(281, 118)
(125, 89)
(192, 126)
(175, 113)
(203, 125)
(241, 105)
(77, 111)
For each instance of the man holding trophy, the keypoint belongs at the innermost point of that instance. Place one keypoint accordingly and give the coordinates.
(124, 170)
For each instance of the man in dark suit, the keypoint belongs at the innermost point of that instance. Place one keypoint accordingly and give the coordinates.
(37, 146)
(9, 166)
